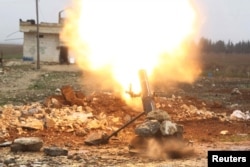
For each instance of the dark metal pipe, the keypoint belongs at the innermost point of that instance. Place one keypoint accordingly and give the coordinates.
(146, 96)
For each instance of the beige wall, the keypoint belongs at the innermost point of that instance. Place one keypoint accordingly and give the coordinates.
(49, 43)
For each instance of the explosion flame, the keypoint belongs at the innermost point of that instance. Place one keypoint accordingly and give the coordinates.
(117, 38)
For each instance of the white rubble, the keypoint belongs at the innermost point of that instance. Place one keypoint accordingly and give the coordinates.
(239, 115)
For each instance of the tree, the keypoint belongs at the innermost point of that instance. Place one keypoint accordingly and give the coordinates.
(219, 47)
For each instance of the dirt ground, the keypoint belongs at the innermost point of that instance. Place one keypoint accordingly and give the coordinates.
(21, 84)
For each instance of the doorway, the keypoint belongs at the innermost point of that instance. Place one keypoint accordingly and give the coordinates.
(63, 55)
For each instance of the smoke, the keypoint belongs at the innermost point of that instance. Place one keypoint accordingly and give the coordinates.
(179, 66)
(161, 148)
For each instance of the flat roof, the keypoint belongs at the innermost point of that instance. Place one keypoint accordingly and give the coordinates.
(49, 28)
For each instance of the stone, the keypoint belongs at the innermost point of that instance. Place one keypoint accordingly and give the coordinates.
(168, 128)
(236, 91)
(127, 118)
(55, 151)
(32, 111)
(9, 160)
(159, 115)
(33, 123)
(89, 109)
(58, 90)
(6, 144)
(238, 115)
(27, 144)
(55, 103)
(80, 132)
(94, 124)
(49, 122)
(224, 132)
(95, 138)
(148, 128)
(70, 96)
(79, 109)
(247, 115)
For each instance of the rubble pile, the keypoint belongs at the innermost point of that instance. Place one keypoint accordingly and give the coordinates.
(184, 110)
(71, 111)
(77, 119)
(158, 123)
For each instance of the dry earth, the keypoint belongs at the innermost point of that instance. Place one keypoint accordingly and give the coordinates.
(203, 108)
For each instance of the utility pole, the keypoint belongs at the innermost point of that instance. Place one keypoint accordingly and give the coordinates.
(37, 37)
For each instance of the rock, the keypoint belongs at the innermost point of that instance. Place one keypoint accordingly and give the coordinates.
(148, 128)
(236, 91)
(158, 105)
(55, 101)
(9, 160)
(127, 118)
(58, 90)
(80, 132)
(224, 132)
(94, 124)
(76, 157)
(27, 144)
(49, 122)
(79, 94)
(159, 115)
(32, 111)
(247, 115)
(78, 116)
(168, 128)
(89, 109)
(33, 123)
(95, 138)
(238, 115)
(5, 144)
(55, 151)
(70, 96)
(79, 109)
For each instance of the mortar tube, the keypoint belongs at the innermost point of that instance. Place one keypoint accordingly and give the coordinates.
(146, 96)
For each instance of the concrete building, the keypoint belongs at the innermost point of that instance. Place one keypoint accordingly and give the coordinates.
(51, 48)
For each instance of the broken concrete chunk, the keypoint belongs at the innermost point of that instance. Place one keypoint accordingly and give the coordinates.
(27, 144)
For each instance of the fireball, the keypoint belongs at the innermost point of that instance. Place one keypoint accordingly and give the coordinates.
(117, 38)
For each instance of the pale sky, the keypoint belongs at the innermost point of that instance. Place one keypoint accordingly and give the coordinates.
(225, 19)
(221, 19)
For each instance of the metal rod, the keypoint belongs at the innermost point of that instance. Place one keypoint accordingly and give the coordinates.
(124, 126)
(37, 37)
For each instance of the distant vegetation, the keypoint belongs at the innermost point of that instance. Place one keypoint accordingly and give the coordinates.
(209, 46)
(11, 51)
